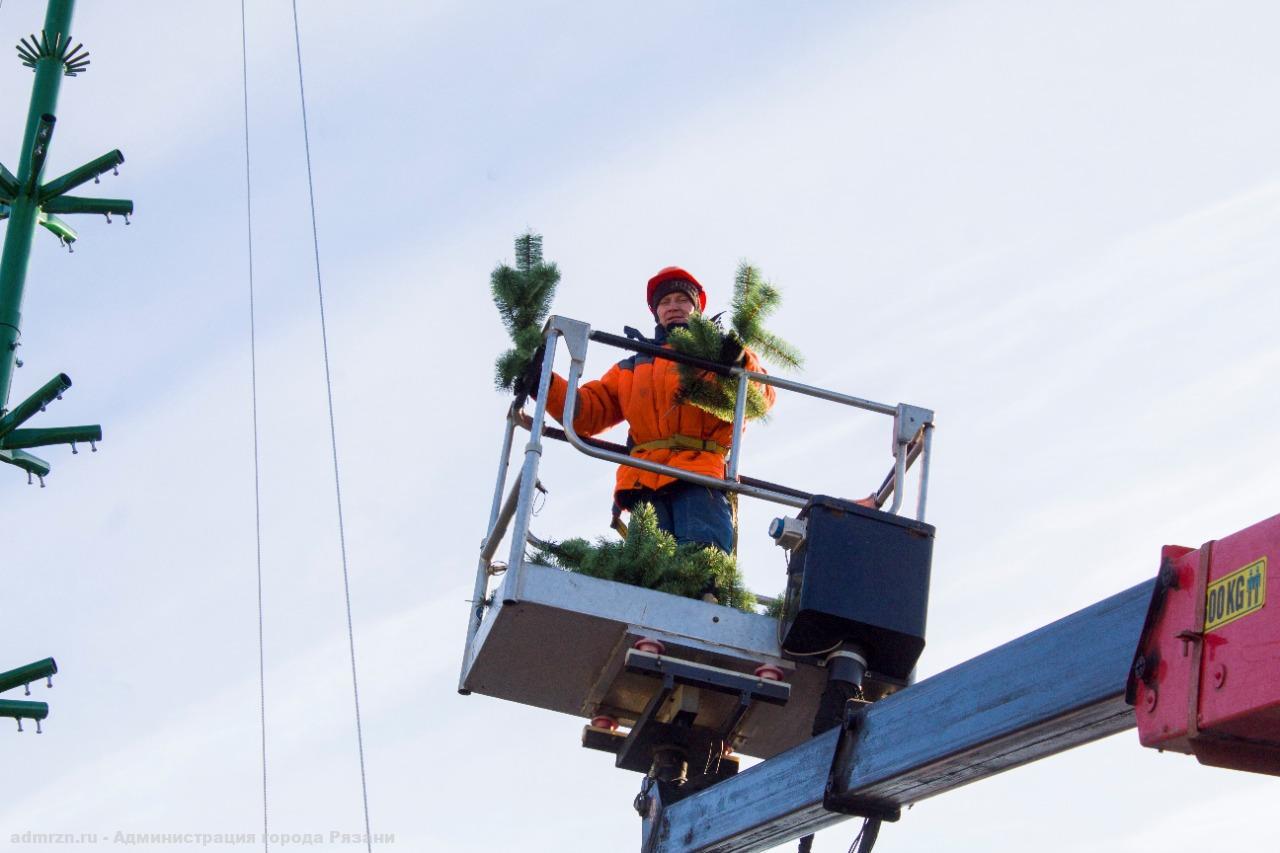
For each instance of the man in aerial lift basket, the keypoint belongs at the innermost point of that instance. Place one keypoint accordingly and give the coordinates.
(643, 391)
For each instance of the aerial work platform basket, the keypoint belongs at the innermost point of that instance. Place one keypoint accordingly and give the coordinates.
(607, 651)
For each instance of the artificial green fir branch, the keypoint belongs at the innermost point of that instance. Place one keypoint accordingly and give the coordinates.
(523, 296)
(650, 557)
(702, 337)
(753, 301)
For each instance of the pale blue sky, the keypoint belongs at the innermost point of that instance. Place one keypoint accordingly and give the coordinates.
(1052, 223)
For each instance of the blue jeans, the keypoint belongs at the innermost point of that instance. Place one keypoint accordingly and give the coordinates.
(691, 513)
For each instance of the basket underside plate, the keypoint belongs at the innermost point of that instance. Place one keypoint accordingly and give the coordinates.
(558, 642)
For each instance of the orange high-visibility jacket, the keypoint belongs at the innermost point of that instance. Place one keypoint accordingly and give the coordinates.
(641, 390)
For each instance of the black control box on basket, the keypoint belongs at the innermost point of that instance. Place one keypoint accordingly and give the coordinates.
(860, 576)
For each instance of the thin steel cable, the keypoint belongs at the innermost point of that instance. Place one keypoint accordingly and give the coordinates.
(253, 381)
(333, 433)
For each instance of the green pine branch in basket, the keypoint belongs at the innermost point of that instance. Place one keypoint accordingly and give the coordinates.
(649, 557)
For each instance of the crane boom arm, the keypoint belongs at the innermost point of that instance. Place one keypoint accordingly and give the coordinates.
(1053, 689)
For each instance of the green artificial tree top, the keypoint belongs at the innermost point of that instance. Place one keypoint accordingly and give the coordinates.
(523, 296)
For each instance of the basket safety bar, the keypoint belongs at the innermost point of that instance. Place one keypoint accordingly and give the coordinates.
(722, 370)
(524, 421)
(655, 350)
(570, 403)
(909, 421)
(823, 393)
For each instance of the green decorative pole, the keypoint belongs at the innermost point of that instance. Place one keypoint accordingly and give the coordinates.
(27, 202)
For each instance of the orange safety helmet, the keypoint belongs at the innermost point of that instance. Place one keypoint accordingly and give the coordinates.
(670, 276)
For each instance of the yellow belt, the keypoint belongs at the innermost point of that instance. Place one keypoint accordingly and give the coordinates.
(683, 442)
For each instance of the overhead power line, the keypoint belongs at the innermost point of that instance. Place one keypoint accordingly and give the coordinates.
(333, 433)
(253, 379)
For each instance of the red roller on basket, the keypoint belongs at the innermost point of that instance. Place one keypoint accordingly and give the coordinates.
(1206, 676)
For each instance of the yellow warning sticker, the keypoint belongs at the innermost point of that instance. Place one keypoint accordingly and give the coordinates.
(1236, 595)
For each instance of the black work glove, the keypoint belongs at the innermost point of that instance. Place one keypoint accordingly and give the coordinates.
(528, 382)
(732, 350)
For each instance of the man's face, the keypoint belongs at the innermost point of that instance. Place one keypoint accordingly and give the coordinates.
(674, 308)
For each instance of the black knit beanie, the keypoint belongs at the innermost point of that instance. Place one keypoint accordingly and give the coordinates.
(674, 285)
